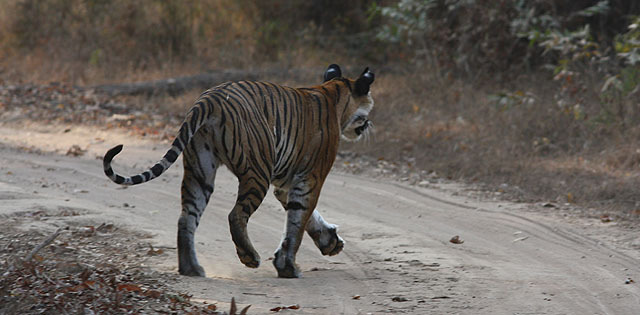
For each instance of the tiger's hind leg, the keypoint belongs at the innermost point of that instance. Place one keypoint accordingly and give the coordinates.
(200, 167)
(324, 234)
(251, 192)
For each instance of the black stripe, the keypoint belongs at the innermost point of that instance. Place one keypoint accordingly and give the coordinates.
(195, 112)
(246, 92)
(247, 209)
(136, 179)
(203, 107)
(260, 185)
(294, 205)
(157, 169)
(109, 172)
(171, 156)
(186, 202)
(252, 191)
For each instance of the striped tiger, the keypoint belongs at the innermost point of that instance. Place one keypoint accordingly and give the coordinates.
(266, 134)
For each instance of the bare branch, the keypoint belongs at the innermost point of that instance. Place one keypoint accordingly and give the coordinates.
(44, 243)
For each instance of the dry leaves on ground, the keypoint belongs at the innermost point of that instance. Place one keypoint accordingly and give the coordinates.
(87, 269)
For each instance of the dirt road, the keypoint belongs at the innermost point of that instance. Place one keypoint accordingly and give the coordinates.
(515, 259)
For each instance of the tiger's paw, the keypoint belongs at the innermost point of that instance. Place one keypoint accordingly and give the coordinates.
(285, 266)
(192, 271)
(331, 244)
(249, 259)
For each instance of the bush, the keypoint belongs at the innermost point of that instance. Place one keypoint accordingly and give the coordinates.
(484, 38)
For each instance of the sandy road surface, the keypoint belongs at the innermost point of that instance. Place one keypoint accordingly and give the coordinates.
(397, 257)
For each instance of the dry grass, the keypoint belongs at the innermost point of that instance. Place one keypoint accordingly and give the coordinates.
(93, 42)
(536, 152)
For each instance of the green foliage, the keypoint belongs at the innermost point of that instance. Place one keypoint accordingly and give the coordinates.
(484, 38)
(409, 19)
(627, 45)
(581, 58)
(507, 100)
(474, 37)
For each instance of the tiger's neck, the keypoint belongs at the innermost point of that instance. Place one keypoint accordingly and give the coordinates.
(338, 93)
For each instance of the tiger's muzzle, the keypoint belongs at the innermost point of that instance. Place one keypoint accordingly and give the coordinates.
(361, 129)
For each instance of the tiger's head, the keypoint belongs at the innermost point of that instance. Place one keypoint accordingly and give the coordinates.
(354, 121)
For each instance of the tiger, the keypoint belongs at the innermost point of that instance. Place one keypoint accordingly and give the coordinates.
(265, 134)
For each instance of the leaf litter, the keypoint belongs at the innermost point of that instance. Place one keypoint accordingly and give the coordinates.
(88, 270)
(59, 103)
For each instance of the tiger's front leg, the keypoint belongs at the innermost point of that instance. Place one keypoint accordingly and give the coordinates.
(301, 201)
(324, 234)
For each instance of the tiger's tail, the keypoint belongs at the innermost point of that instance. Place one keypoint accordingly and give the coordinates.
(189, 127)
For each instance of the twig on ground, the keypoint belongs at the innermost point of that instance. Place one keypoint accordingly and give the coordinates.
(234, 308)
(44, 243)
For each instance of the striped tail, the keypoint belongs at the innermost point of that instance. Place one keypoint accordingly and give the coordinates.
(182, 139)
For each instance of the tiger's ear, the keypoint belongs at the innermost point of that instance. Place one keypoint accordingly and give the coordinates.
(332, 72)
(364, 82)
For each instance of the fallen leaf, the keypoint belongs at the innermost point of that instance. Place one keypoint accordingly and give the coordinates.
(154, 294)
(76, 150)
(456, 240)
(356, 297)
(290, 307)
(154, 252)
(105, 228)
(87, 230)
(399, 299)
(91, 284)
(605, 218)
(75, 288)
(129, 287)
(570, 198)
